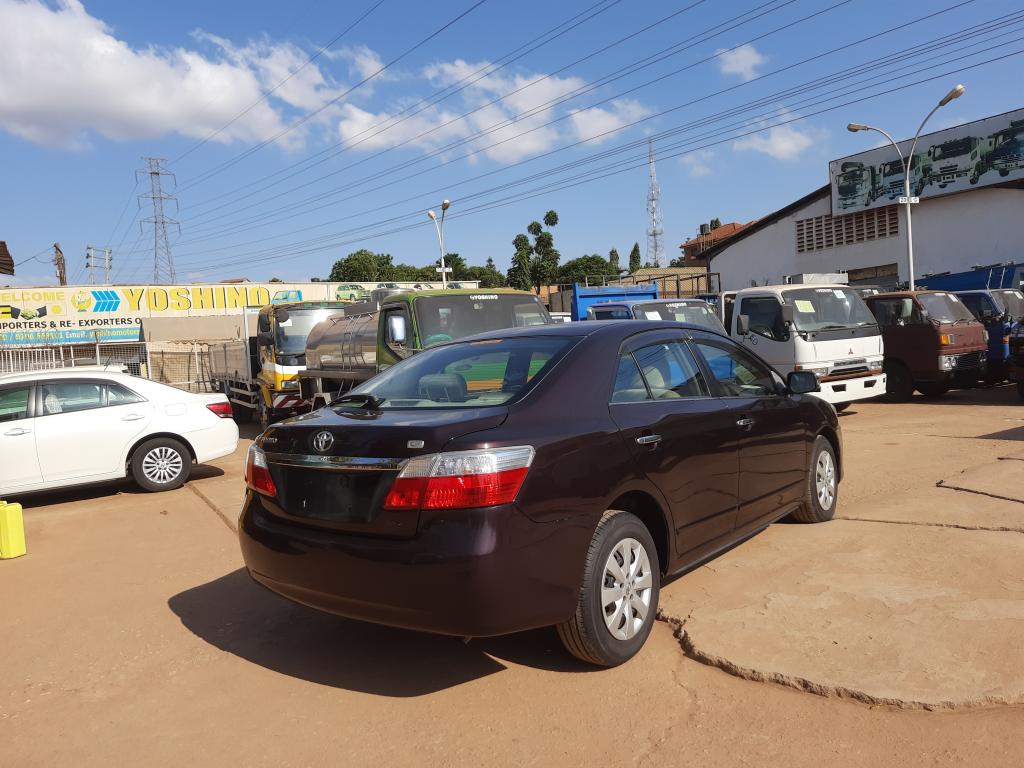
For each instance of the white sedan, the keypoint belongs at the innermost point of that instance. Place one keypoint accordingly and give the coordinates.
(74, 426)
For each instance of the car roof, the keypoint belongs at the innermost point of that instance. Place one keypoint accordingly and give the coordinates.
(633, 302)
(584, 328)
(84, 372)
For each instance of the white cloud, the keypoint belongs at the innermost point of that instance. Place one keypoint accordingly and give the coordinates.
(363, 62)
(598, 124)
(783, 142)
(698, 162)
(66, 75)
(742, 61)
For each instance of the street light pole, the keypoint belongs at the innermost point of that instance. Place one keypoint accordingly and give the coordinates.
(907, 161)
(439, 226)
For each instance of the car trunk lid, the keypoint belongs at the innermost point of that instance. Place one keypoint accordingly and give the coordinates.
(334, 468)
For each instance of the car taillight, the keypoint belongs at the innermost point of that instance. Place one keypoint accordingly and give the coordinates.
(461, 479)
(257, 473)
(221, 409)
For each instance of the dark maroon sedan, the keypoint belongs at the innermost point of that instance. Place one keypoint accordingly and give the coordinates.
(541, 476)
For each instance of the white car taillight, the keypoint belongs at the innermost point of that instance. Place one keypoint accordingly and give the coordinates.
(461, 479)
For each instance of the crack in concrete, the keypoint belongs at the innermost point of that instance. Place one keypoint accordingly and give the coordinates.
(825, 690)
(208, 502)
(958, 526)
(943, 484)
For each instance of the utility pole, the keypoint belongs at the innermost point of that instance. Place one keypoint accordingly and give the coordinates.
(163, 262)
(95, 257)
(655, 230)
(58, 262)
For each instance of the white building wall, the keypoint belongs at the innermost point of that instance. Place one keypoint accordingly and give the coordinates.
(951, 233)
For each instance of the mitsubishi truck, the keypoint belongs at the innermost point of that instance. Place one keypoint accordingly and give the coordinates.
(932, 342)
(260, 373)
(1001, 310)
(352, 346)
(826, 329)
(856, 184)
(1007, 153)
(954, 159)
(890, 178)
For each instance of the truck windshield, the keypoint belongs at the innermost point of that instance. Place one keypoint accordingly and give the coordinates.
(450, 317)
(953, 148)
(697, 313)
(1013, 300)
(472, 374)
(290, 334)
(944, 307)
(826, 309)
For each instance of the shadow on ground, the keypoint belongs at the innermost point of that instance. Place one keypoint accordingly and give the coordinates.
(102, 490)
(236, 615)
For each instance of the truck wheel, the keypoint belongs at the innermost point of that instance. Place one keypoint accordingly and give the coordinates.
(618, 599)
(822, 488)
(899, 384)
(933, 389)
(161, 464)
(1003, 172)
(262, 413)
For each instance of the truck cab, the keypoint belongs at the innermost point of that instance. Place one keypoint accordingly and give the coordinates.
(826, 329)
(951, 160)
(694, 311)
(1000, 310)
(855, 184)
(932, 342)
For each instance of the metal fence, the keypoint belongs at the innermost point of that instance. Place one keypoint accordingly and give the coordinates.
(185, 365)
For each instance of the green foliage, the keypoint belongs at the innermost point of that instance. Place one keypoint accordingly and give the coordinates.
(536, 264)
(634, 258)
(275, 280)
(577, 270)
(363, 266)
(715, 223)
(613, 261)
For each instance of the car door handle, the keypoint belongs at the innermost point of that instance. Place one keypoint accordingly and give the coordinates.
(746, 423)
(17, 431)
(648, 440)
(132, 417)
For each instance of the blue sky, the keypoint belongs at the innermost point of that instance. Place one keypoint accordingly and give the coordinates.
(308, 173)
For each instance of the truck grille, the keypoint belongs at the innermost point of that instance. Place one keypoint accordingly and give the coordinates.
(969, 360)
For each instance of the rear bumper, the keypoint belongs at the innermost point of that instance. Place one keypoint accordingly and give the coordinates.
(470, 573)
(848, 390)
(219, 440)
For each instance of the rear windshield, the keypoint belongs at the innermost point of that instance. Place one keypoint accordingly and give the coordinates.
(944, 307)
(447, 318)
(473, 374)
(694, 312)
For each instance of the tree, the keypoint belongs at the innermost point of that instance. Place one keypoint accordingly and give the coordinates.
(577, 270)
(715, 223)
(275, 280)
(634, 258)
(613, 261)
(458, 266)
(536, 264)
(358, 267)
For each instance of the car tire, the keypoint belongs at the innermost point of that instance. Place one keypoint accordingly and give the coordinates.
(933, 389)
(602, 634)
(821, 493)
(161, 464)
(840, 407)
(899, 384)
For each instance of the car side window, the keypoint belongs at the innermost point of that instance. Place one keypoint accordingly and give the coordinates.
(669, 370)
(14, 403)
(70, 396)
(629, 384)
(765, 314)
(118, 395)
(737, 372)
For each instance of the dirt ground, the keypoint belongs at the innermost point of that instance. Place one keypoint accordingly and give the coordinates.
(893, 636)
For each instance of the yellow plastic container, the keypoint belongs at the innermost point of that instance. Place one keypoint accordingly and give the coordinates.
(12, 531)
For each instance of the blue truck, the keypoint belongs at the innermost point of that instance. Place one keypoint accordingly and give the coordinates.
(584, 296)
(993, 296)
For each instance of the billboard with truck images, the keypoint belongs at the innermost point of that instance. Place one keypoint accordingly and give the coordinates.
(968, 156)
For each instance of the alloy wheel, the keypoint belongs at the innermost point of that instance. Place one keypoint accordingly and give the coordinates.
(626, 589)
(162, 465)
(825, 480)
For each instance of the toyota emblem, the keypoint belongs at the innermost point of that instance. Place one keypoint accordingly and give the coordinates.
(323, 441)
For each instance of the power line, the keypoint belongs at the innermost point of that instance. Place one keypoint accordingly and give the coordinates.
(263, 97)
(310, 115)
(163, 261)
(620, 167)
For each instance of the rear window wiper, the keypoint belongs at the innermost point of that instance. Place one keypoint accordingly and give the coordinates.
(360, 399)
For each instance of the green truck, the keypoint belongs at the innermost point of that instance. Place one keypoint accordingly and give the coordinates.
(354, 345)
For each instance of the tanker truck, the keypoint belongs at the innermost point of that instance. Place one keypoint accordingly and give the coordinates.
(352, 346)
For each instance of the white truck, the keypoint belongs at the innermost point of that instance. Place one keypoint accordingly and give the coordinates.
(827, 329)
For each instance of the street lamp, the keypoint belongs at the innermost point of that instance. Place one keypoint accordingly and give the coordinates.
(439, 226)
(955, 93)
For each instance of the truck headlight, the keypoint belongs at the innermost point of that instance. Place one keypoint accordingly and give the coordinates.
(818, 370)
(292, 384)
(875, 366)
(947, 362)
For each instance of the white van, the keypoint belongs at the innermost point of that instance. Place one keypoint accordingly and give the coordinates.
(827, 329)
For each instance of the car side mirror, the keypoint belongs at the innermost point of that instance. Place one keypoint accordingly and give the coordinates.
(396, 330)
(787, 314)
(264, 338)
(743, 325)
(282, 315)
(802, 382)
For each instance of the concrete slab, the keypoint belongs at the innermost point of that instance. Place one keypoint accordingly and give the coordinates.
(904, 615)
(940, 506)
(1002, 479)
